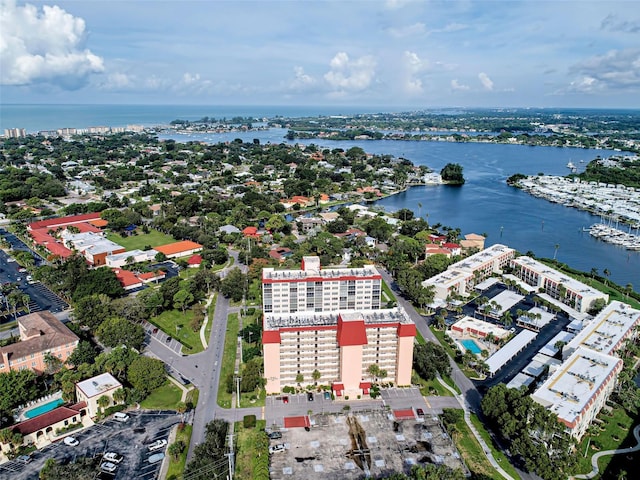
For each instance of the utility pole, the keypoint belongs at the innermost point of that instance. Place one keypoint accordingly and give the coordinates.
(231, 457)
(238, 378)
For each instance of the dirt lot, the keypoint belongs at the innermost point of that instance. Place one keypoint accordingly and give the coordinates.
(347, 446)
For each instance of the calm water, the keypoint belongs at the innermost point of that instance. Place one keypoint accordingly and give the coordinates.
(485, 204)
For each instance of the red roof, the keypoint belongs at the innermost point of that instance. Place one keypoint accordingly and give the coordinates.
(86, 227)
(451, 246)
(58, 249)
(195, 260)
(407, 330)
(50, 418)
(405, 414)
(351, 333)
(55, 222)
(126, 278)
(271, 336)
(338, 387)
(178, 247)
(151, 275)
(365, 384)
(293, 422)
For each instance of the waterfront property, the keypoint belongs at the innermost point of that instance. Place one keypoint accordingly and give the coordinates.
(41, 334)
(556, 284)
(326, 326)
(462, 276)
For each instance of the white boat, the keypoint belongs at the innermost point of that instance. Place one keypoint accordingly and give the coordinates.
(571, 165)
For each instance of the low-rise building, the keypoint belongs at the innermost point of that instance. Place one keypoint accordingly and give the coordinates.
(556, 284)
(183, 248)
(92, 389)
(41, 335)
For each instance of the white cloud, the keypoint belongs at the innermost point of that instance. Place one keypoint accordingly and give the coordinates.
(44, 46)
(584, 85)
(348, 75)
(455, 85)
(487, 83)
(118, 81)
(189, 79)
(413, 65)
(302, 80)
(613, 24)
(617, 69)
(450, 27)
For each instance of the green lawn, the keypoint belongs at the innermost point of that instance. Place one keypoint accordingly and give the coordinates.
(176, 467)
(163, 398)
(176, 324)
(614, 433)
(248, 455)
(387, 294)
(153, 239)
(433, 387)
(497, 454)
(228, 359)
(211, 311)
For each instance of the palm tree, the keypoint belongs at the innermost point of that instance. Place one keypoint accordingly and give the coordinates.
(607, 274)
(103, 402)
(627, 290)
(316, 375)
(119, 396)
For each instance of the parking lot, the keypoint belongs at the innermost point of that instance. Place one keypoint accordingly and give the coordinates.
(130, 439)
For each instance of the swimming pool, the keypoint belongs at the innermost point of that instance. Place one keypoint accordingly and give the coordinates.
(44, 408)
(471, 346)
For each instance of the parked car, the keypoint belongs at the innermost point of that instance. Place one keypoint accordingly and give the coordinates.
(71, 441)
(327, 396)
(285, 399)
(310, 396)
(275, 435)
(120, 416)
(108, 467)
(420, 412)
(280, 447)
(24, 459)
(157, 445)
(155, 458)
(113, 457)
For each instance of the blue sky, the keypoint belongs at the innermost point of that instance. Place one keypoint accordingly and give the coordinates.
(371, 53)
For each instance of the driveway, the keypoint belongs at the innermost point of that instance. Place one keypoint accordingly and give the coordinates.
(129, 439)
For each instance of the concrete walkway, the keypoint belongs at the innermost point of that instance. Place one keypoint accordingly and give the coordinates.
(203, 338)
(184, 389)
(483, 444)
(596, 457)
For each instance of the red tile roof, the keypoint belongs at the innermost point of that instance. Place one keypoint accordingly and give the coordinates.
(271, 336)
(50, 418)
(407, 330)
(126, 278)
(405, 414)
(178, 247)
(60, 221)
(195, 260)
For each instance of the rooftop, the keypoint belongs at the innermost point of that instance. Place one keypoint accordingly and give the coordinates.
(98, 385)
(303, 319)
(311, 269)
(604, 332)
(178, 247)
(557, 277)
(571, 387)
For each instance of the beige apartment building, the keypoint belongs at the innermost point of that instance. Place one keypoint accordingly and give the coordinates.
(329, 322)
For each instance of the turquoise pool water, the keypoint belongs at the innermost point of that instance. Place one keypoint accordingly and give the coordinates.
(471, 346)
(44, 408)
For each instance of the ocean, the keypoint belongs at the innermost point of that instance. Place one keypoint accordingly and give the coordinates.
(34, 118)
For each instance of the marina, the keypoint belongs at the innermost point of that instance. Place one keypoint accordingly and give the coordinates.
(610, 234)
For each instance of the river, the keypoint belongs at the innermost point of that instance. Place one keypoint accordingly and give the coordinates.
(486, 204)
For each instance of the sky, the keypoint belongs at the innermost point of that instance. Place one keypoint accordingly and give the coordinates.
(422, 54)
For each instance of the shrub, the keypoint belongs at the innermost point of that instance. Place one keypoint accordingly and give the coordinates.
(249, 421)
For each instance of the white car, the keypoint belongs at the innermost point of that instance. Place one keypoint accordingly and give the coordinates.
(280, 447)
(120, 417)
(157, 445)
(108, 467)
(71, 441)
(113, 457)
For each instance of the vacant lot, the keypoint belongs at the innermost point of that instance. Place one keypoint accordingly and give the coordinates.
(177, 325)
(152, 239)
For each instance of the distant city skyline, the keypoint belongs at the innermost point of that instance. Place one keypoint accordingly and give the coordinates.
(425, 54)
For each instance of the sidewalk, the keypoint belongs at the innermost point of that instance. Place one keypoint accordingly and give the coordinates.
(203, 338)
(483, 444)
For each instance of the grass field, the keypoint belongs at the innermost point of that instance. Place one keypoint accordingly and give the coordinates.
(472, 453)
(176, 467)
(228, 359)
(247, 453)
(163, 398)
(176, 324)
(615, 432)
(387, 294)
(153, 239)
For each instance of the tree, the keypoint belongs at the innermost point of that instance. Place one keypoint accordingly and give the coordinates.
(176, 449)
(52, 363)
(316, 375)
(299, 378)
(119, 396)
(430, 360)
(84, 353)
(103, 402)
(452, 174)
(146, 374)
(607, 273)
(116, 331)
(233, 285)
(182, 299)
